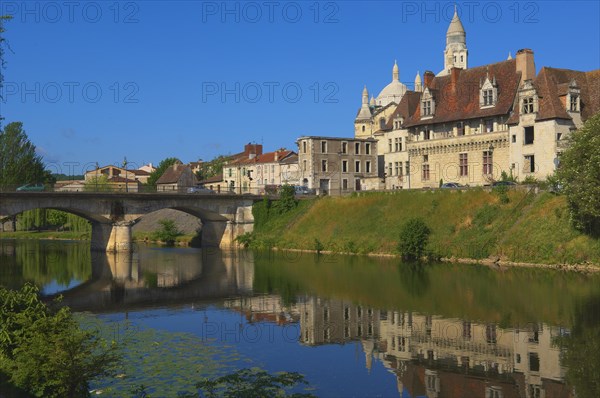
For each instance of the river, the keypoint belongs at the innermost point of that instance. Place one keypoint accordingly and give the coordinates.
(353, 326)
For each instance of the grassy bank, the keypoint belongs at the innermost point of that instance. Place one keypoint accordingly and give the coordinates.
(66, 235)
(464, 224)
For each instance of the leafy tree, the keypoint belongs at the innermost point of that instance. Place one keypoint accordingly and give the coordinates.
(167, 233)
(19, 164)
(212, 168)
(414, 236)
(579, 173)
(97, 184)
(253, 383)
(44, 352)
(287, 199)
(162, 166)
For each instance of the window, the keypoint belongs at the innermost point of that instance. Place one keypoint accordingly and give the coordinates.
(345, 184)
(514, 138)
(493, 392)
(488, 97)
(265, 182)
(323, 146)
(558, 136)
(529, 164)
(396, 144)
(273, 168)
(367, 166)
(367, 149)
(304, 146)
(426, 108)
(574, 103)
(466, 333)
(357, 148)
(529, 135)
(490, 334)
(357, 166)
(382, 123)
(427, 134)
(534, 362)
(460, 128)
(390, 145)
(400, 169)
(489, 126)
(390, 169)
(325, 314)
(323, 165)
(463, 164)
(487, 162)
(363, 128)
(344, 166)
(346, 309)
(527, 105)
(425, 158)
(425, 172)
(344, 147)
(230, 171)
(396, 168)
(304, 165)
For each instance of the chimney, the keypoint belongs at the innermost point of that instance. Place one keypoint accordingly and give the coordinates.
(428, 78)
(276, 155)
(251, 150)
(525, 64)
(454, 73)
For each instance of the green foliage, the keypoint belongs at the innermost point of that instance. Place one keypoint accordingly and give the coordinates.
(50, 219)
(530, 180)
(414, 236)
(502, 192)
(287, 199)
(253, 383)
(319, 247)
(19, 163)
(505, 177)
(167, 233)
(162, 166)
(579, 173)
(245, 239)
(43, 351)
(211, 168)
(97, 183)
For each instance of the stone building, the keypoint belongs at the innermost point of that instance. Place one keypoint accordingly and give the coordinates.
(469, 125)
(333, 165)
(257, 174)
(177, 178)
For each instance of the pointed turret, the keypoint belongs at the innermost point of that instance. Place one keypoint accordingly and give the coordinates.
(509, 55)
(365, 96)
(365, 112)
(395, 72)
(372, 102)
(455, 54)
(418, 83)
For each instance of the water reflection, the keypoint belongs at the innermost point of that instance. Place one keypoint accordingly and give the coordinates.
(441, 330)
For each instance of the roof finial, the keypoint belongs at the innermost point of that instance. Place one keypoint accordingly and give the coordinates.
(395, 71)
(509, 55)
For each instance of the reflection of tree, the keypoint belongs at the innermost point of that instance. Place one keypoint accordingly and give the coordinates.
(582, 349)
(414, 278)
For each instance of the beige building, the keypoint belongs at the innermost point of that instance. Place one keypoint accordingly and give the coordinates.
(177, 178)
(116, 178)
(263, 173)
(338, 165)
(469, 125)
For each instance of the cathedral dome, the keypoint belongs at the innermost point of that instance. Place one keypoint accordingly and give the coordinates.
(394, 91)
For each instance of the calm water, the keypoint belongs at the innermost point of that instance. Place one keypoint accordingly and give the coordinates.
(353, 326)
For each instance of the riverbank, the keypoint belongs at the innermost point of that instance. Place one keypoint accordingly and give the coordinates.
(474, 225)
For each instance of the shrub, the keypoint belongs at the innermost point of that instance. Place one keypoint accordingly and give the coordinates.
(414, 236)
(287, 199)
(245, 239)
(318, 246)
(167, 233)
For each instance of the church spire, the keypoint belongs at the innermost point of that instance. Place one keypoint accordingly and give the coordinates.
(395, 72)
(418, 83)
(455, 54)
(365, 96)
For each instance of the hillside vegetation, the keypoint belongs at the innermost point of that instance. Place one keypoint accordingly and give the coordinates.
(474, 223)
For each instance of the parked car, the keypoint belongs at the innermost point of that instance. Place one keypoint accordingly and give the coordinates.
(451, 185)
(503, 183)
(31, 188)
(302, 190)
(201, 190)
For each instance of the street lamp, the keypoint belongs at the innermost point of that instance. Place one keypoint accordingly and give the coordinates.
(125, 168)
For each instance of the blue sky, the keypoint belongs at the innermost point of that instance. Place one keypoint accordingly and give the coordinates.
(100, 81)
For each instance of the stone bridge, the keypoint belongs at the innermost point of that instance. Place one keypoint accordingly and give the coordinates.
(223, 217)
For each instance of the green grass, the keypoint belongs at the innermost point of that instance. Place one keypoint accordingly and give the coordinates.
(465, 224)
(45, 235)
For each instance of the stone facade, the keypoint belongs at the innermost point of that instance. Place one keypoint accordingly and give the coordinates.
(333, 165)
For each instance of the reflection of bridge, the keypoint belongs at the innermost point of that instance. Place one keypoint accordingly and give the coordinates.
(224, 217)
(126, 280)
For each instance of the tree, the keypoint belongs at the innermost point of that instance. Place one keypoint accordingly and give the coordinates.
(212, 168)
(19, 163)
(287, 199)
(44, 352)
(579, 173)
(162, 166)
(414, 236)
(167, 233)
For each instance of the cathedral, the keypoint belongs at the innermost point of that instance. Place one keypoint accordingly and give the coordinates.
(471, 125)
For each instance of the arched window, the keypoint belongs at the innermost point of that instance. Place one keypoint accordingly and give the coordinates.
(363, 128)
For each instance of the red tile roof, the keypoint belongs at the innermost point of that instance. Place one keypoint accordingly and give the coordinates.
(268, 157)
(459, 100)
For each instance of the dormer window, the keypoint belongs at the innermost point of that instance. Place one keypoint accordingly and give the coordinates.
(488, 97)
(488, 93)
(527, 105)
(382, 123)
(427, 108)
(574, 103)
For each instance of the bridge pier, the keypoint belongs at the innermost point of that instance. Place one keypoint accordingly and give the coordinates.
(114, 237)
(222, 234)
